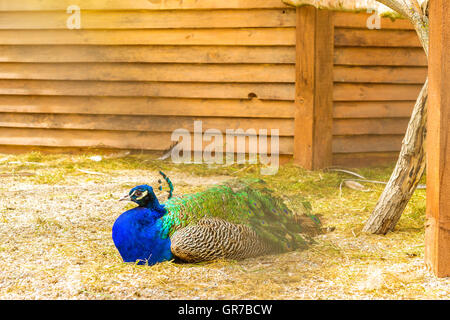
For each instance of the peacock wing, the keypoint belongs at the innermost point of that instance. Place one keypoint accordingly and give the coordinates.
(271, 218)
(242, 202)
(215, 238)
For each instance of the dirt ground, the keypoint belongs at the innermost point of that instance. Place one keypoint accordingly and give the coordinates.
(56, 214)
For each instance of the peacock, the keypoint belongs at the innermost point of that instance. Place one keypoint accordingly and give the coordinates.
(235, 220)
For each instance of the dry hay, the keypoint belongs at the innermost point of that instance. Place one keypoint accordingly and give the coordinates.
(56, 238)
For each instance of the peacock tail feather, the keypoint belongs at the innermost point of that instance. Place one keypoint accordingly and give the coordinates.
(248, 203)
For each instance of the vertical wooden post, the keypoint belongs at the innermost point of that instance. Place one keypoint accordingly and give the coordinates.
(437, 247)
(314, 88)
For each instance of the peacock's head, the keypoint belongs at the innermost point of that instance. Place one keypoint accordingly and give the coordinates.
(142, 195)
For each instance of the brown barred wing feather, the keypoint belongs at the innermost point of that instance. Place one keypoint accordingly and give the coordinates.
(215, 238)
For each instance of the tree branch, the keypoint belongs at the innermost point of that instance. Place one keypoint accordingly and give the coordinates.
(415, 14)
(397, 6)
(407, 173)
(411, 162)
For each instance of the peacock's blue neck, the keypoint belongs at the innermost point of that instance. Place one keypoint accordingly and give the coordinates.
(156, 209)
(139, 236)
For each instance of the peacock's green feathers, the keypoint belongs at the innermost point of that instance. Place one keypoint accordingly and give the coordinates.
(246, 202)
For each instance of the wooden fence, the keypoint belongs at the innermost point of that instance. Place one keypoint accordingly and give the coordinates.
(137, 70)
(378, 75)
(358, 113)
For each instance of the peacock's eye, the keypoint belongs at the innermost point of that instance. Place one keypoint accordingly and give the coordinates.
(138, 193)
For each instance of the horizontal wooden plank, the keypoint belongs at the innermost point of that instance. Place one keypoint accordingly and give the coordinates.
(151, 19)
(375, 38)
(39, 5)
(268, 91)
(148, 106)
(150, 72)
(141, 123)
(369, 74)
(369, 126)
(368, 159)
(380, 56)
(375, 92)
(359, 20)
(369, 143)
(104, 139)
(370, 109)
(148, 54)
(243, 36)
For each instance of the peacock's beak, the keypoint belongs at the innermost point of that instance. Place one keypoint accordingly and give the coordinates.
(125, 198)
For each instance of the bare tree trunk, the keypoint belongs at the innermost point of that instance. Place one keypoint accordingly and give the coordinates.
(411, 162)
(407, 173)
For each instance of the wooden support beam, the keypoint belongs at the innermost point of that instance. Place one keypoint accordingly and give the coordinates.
(437, 248)
(314, 88)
